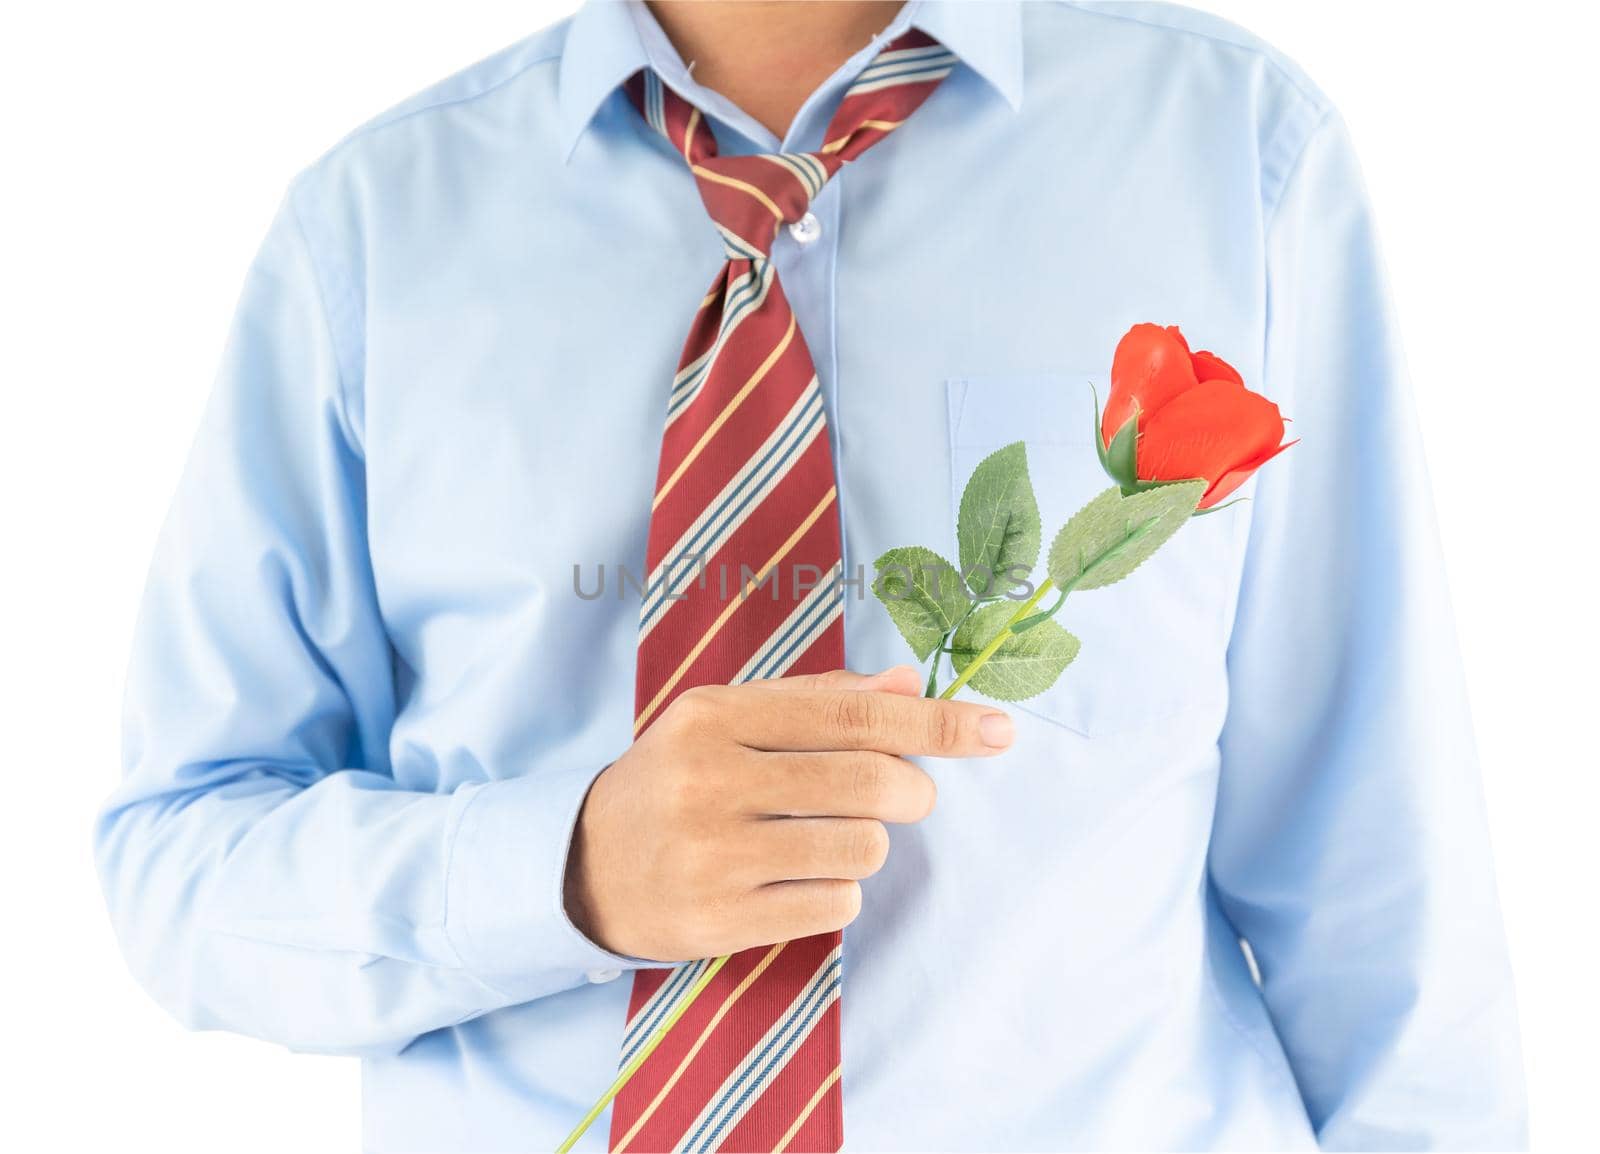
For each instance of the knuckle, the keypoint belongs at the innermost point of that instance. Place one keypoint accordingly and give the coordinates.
(685, 793)
(944, 729)
(690, 712)
(869, 779)
(706, 923)
(702, 706)
(854, 714)
(840, 713)
(710, 887)
(692, 700)
(691, 870)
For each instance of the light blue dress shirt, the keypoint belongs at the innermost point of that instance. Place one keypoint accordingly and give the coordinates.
(366, 702)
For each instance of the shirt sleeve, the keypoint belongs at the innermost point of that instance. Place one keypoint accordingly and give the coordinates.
(1350, 848)
(265, 870)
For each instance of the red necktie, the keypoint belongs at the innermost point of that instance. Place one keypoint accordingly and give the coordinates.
(744, 566)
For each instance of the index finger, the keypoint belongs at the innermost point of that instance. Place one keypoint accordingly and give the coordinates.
(841, 719)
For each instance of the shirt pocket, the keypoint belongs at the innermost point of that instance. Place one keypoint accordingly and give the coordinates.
(1154, 644)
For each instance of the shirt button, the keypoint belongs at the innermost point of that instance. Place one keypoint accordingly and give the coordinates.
(600, 977)
(807, 229)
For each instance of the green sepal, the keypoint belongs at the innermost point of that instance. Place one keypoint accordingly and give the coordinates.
(1099, 441)
(1221, 507)
(1120, 457)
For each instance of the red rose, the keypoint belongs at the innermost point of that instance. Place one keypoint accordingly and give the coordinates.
(1188, 415)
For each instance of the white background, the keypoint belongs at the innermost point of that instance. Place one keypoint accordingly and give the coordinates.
(145, 146)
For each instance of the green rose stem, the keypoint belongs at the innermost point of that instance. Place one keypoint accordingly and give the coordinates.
(999, 639)
(1023, 613)
(625, 1075)
(1026, 610)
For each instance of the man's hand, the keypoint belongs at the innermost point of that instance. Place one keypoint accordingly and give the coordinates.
(748, 814)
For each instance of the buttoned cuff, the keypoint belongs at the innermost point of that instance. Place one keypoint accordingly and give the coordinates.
(506, 865)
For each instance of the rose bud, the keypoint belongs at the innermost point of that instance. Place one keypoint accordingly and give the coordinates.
(1174, 415)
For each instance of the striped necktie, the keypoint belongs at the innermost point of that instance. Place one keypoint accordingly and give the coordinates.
(744, 568)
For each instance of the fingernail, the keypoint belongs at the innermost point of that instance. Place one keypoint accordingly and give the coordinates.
(996, 730)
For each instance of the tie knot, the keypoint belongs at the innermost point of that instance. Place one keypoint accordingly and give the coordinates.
(749, 197)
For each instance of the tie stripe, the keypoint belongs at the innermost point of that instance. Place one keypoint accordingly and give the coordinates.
(914, 66)
(736, 247)
(655, 1011)
(755, 1073)
(679, 1053)
(705, 437)
(732, 507)
(709, 665)
(820, 609)
(806, 1111)
(788, 1096)
(809, 171)
(753, 424)
(744, 298)
(744, 582)
(744, 186)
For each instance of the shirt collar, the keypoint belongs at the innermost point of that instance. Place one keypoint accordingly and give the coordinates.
(987, 37)
(603, 48)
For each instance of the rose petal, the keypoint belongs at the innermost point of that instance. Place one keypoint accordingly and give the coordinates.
(1210, 367)
(1224, 486)
(1210, 431)
(1150, 367)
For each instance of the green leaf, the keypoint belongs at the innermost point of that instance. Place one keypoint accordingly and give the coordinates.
(1025, 664)
(922, 592)
(998, 526)
(1112, 535)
